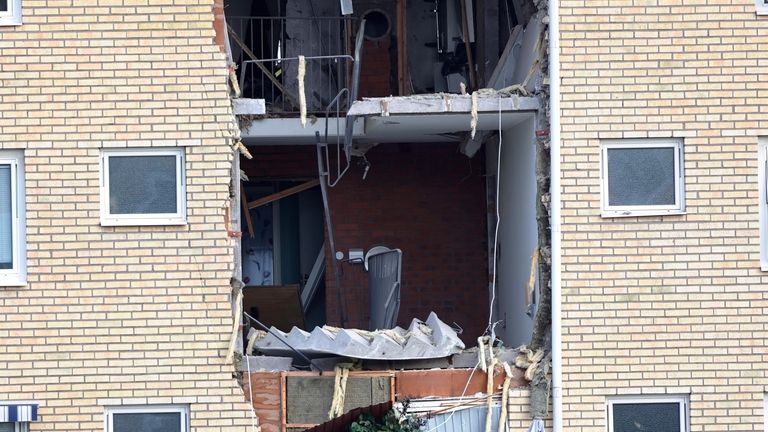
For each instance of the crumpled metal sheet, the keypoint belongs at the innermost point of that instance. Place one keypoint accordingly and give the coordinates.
(422, 340)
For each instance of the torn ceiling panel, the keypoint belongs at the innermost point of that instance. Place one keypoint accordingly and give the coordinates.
(422, 340)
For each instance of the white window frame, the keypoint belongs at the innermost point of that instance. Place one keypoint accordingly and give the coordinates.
(761, 7)
(17, 275)
(20, 426)
(109, 413)
(177, 218)
(11, 17)
(643, 210)
(682, 400)
(762, 181)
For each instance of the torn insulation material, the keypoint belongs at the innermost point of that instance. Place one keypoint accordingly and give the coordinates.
(239, 146)
(505, 397)
(473, 113)
(489, 392)
(302, 95)
(339, 391)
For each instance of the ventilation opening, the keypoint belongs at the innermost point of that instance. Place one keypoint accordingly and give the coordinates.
(377, 24)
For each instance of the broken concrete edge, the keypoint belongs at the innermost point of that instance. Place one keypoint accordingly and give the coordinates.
(487, 101)
(246, 107)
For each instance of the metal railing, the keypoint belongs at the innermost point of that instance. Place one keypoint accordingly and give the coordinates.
(266, 50)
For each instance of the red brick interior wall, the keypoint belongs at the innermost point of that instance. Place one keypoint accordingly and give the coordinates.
(425, 199)
(376, 69)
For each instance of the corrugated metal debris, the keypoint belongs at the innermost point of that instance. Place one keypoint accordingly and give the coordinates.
(422, 340)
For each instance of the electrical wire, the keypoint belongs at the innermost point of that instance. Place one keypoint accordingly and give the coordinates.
(461, 398)
(491, 325)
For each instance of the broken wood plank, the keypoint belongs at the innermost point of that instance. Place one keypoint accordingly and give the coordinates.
(263, 68)
(505, 65)
(282, 194)
(402, 55)
(467, 45)
(246, 210)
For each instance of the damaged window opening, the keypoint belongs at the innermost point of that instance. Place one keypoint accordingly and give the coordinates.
(369, 221)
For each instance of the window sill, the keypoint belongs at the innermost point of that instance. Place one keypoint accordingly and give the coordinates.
(12, 282)
(10, 21)
(640, 213)
(143, 221)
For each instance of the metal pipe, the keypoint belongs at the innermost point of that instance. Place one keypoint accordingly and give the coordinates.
(554, 126)
(323, 173)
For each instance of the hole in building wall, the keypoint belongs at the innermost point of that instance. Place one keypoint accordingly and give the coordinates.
(377, 24)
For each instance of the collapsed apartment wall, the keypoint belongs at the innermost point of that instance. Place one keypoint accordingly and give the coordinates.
(422, 198)
(518, 234)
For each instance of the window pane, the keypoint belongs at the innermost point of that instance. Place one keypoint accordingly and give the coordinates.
(142, 184)
(3, 8)
(146, 422)
(6, 219)
(7, 427)
(642, 176)
(645, 417)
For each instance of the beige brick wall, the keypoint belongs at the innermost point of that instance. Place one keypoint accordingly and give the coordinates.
(672, 304)
(117, 315)
(519, 411)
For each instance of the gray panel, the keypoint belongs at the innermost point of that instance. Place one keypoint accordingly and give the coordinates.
(309, 398)
(6, 427)
(641, 176)
(381, 390)
(142, 184)
(146, 422)
(422, 340)
(661, 417)
(470, 419)
(6, 219)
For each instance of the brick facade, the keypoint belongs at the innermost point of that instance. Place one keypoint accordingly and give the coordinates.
(665, 304)
(117, 315)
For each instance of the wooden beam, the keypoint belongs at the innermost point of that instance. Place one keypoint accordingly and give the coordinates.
(282, 194)
(263, 68)
(246, 210)
(468, 45)
(402, 53)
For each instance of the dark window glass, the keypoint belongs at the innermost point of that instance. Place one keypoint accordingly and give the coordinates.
(142, 184)
(646, 417)
(641, 176)
(3, 5)
(146, 422)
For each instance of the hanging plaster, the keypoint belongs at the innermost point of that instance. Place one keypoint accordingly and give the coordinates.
(448, 104)
(302, 95)
(385, 107)
(463, 88)
(339, 391)
(481, 352)
(473, 113)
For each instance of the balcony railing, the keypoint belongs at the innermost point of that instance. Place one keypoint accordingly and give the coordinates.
(266, 50)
